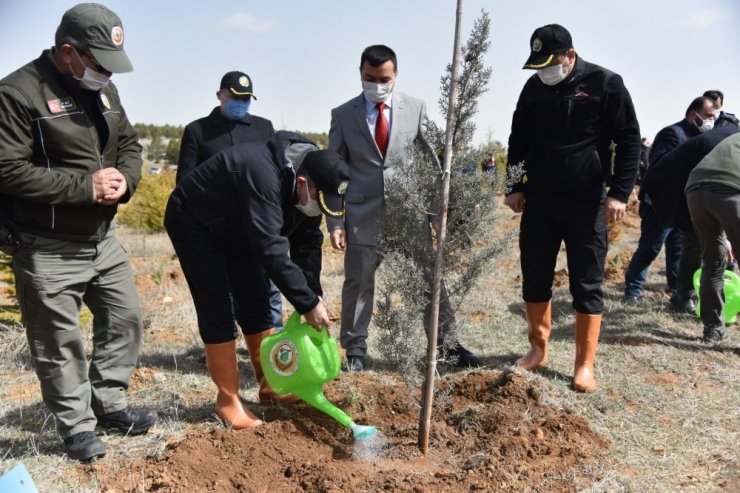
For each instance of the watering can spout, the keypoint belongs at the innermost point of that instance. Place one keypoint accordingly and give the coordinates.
(316, 398)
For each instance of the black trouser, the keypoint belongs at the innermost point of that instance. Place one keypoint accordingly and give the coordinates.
(688, 263)
(226, 282)
(546, 223)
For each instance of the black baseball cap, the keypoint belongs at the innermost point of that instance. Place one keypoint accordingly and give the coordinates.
(546, 42)
(101, 31)
(238, 84)
(330, 173)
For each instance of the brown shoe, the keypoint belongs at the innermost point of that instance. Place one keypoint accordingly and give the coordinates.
(588, 328)
(222, 366)
(540, 324)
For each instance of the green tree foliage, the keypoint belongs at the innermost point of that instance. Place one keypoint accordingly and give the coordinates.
(156, 149)
(474, 78)
(172, 153)
(413, 195)
(146, 210)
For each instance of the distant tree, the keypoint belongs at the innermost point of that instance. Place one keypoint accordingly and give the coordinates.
(145, 212)
(157, 148)
(149, 131)
(172, 154)
(321, 139)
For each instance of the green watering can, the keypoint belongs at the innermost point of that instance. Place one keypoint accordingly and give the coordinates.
(732, 295)
(299, 360)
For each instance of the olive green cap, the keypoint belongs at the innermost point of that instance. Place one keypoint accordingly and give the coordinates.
(101, 30)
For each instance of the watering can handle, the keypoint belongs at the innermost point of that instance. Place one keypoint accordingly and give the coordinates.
(295, 321)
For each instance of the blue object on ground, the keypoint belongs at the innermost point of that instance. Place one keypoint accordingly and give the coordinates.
(17, 480)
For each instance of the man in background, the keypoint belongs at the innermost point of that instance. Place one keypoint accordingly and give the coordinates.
(366, 131)
(68, 157)
(229, 123)
(713, 196)
(654, 231)
(722, 118)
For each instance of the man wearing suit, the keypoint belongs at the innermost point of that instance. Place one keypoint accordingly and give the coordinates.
(367, 131)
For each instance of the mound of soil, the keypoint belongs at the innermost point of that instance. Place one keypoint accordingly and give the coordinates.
(490, 431)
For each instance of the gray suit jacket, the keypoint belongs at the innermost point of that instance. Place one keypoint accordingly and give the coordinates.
(350, 136)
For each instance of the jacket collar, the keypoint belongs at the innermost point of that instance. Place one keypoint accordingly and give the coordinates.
(577, 72)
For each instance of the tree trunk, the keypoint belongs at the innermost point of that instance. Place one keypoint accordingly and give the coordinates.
(425, 416)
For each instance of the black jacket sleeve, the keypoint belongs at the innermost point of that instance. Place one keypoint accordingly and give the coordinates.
(188, 159)
(305, 251)
(263, 214)
(625, 133)
(518, 141)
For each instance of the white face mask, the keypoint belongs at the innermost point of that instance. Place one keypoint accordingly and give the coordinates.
(377, 93)
(311, 209)
(704, 125)
(552, 75)
(90, 80)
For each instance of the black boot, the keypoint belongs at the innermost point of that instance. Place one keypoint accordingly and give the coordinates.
(84, 446)
(128, 421)
(460, 356)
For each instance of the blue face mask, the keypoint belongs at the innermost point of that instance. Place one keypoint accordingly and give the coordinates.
(236, 109)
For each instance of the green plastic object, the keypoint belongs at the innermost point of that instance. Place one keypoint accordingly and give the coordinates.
(299, 360)
(732, 295)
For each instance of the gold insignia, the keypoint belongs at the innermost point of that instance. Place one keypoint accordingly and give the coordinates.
(536, 45)
(284, 358)
(342, 187)
(325, 207)
(243, 81)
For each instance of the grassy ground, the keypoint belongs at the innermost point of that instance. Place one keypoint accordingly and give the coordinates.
(669, 404)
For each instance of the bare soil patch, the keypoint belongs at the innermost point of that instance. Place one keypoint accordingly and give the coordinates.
(491, 432)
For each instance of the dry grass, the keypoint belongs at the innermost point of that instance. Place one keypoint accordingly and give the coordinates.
(669, 404)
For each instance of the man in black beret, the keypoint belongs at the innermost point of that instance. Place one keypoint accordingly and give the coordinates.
(248, 214)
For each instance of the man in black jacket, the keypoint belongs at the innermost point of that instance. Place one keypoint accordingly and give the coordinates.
(698, 118)
(229, 124)
(253, 209)
(664, 187)
(567, 118)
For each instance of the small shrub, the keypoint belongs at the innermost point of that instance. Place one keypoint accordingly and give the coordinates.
(146, 210)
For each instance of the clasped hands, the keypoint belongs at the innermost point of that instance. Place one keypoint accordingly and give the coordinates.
(109, 185)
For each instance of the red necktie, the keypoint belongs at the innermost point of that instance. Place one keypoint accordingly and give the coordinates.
(381, 130)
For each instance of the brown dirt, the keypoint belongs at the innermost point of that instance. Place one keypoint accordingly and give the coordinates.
(490, 432)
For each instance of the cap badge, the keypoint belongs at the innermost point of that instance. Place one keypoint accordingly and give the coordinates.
(243, 81)
(116, 35)
(342, 188)
(536, 44)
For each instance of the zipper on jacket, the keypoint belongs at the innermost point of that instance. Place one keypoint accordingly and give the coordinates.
(48, 168)
(99, 155)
